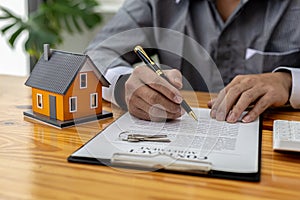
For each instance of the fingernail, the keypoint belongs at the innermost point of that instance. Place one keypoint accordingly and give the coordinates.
(213, 113)
(246, 119)
(220, 116)
(177, 99)
(231, 117)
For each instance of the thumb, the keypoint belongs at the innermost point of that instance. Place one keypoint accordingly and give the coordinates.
(211, 102)
(175, 77)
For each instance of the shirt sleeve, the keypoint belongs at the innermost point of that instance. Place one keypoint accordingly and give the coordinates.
(295, 93)
(113, 75)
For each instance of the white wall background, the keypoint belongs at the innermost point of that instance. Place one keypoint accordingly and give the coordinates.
(14, 61)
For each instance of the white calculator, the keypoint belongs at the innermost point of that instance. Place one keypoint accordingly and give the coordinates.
(286, 135)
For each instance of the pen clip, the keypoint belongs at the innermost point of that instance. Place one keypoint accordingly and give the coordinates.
(139, 49)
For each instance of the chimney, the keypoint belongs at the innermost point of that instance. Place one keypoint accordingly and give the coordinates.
(47, 52)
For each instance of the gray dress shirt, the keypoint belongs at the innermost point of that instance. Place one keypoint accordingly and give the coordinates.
(190, 35)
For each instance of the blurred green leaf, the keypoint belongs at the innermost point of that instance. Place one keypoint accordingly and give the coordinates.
(91, 20)
(6, 28)
(15, 35)
(8, 13)
(76, 24)
(4, 17)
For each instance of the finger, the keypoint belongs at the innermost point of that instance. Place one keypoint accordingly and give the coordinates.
(151, 97)
(211, 102)
(217, 102)
(229, 100)
(220, 97)
(159, 84)
(142, 109)
(144, 115)
(145, 98)
(237, 87)
(139, 113)
(225, 105)
(175, 77)
(158, 112)
(246, 99)
(132, 84)
(261, 105)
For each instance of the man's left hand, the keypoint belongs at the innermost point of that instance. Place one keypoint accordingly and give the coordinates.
(261, 91)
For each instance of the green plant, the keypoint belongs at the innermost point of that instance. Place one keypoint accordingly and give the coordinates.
(47, 23)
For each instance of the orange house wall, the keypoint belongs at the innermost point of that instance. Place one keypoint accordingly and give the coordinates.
(83, 97)
(62, 101)
(45, 110)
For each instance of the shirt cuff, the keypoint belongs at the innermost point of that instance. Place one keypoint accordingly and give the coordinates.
(295, 93)
(113, 75)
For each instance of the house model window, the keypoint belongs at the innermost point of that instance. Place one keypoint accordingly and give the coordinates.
(83, 80)
(94, 100)
(39, 100)
(73, 104)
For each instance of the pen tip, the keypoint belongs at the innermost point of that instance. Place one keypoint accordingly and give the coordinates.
(193, 115)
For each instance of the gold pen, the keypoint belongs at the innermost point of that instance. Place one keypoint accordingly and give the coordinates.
(151, 64)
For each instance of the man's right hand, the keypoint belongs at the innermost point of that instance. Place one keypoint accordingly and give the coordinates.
(150, 97)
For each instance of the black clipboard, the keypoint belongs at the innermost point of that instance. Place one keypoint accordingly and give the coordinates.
(252, 177)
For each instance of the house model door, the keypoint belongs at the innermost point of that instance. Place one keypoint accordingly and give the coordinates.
(52, 108)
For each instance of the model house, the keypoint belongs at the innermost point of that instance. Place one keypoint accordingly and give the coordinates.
(66, 88)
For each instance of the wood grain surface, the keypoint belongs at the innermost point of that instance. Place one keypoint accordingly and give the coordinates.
(33, 161)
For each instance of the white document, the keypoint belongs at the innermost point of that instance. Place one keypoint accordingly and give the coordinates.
(227, 147)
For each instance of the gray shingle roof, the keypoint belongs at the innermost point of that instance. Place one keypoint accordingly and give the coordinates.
(57, 74)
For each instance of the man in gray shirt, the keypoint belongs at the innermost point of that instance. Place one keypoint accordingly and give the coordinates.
(209, 44)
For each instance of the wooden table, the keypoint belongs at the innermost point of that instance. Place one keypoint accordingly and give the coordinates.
(33, 162)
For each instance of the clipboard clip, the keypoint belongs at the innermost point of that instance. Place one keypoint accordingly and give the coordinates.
(161, 161)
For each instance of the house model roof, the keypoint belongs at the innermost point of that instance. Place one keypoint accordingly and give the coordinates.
(58, 72)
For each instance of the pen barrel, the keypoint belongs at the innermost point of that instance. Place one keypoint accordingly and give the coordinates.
(185, 106)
